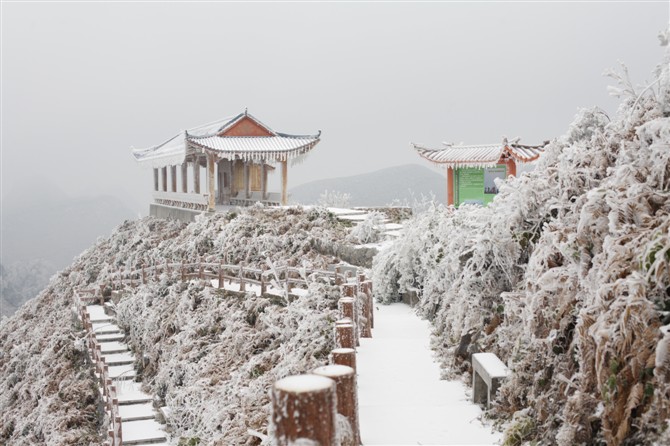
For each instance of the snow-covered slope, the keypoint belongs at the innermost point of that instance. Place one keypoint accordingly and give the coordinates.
(565, 276)
(210, 355)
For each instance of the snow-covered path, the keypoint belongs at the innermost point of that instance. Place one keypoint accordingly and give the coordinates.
(402, 400)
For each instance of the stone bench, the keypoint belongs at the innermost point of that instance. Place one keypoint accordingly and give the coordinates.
(488, 371)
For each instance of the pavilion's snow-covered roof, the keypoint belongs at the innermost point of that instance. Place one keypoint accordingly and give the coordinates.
(484, 155)
(274, 148)
(277, 147)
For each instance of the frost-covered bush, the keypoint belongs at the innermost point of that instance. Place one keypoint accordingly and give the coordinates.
(368, 230)
(565, 276)
(334, 199)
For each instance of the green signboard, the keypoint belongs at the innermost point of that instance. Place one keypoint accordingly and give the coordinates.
(477, 186)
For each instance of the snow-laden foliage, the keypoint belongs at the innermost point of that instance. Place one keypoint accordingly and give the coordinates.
(334, 199)
(210, 355)
(565, 276)
(48, 394)
(369, 230)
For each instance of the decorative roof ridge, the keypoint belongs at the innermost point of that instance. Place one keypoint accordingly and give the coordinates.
(237, 118)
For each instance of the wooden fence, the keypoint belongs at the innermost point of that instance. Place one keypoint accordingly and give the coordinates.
(82, 298)
(284, 277)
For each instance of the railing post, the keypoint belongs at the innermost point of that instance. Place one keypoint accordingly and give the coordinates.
(200, 268)
(304, 407)
(344, 334)
(263, 285)
(167, 268)
(344, 356)
(338, 279)
(347, 395)
(348, 309)
(144, 275)
(220, 273)
(243, 286)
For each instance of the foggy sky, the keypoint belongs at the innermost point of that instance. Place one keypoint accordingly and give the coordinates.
(83, 82)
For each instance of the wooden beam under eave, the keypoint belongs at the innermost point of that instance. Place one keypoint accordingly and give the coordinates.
(211, 198)
(284, 182)
(450, 186)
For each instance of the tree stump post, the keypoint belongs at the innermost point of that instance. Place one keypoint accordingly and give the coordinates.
(349, 289)
(347, 397)
(304, 407)
(344, 334)
(365, 310)
(348, 309)
(200, 268)
(344, 356)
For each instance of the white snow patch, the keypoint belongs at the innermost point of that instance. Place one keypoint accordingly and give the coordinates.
(401, 397)
(304, 383)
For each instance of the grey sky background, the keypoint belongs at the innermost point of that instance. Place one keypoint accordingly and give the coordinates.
(82, 82)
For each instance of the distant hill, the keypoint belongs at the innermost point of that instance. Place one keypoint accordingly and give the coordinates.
(401, 183)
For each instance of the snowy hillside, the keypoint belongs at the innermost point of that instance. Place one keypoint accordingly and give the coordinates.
(209, 355)
(565, 276)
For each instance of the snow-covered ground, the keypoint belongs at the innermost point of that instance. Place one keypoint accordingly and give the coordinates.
(402, 400)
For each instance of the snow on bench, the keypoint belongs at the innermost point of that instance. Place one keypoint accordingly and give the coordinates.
(487, 373)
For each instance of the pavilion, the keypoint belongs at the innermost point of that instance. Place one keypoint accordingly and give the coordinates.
(237, 155)
(472, 170)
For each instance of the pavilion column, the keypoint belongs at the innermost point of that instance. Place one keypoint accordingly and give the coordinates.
(164, 178)
(450, 186)
(247, 188)
(511, 167)
(211, 203)
(173, 178)
(284, 182)
(156, 179)
(196, 175)
(184, 177)
(264, 180)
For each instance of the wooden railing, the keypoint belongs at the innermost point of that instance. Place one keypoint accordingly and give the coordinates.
(82, 298)
(284, 277)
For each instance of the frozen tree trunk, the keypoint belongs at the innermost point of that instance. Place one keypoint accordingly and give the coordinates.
(344, 356)
(347, 395)
(344, 334)
(304, 407)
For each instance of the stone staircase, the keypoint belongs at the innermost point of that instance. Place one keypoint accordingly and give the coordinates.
(139, 421)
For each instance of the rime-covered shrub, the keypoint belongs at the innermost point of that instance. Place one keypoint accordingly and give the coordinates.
(565, 276)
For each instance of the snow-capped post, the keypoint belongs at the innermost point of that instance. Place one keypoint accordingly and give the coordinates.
(347, 397)
(344, 333)
(365, 331)
(304, 407)
(338, 279)
(200, 268)
(348, 309)
(220, 273)
(262, 278)
(182, 271)
(349, 289)
(243, 286)
(344, 356)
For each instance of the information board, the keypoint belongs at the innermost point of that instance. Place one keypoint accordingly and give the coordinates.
(477, 186)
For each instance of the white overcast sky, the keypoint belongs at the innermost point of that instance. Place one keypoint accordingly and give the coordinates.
(83, 82)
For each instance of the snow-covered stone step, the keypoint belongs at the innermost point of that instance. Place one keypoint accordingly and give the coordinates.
(119, 358)
(136, 412)
(97, 313)
(113, 347)
(122, 372)
(110, 337)
(142, 432)
(101, 328)
(130, 392)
